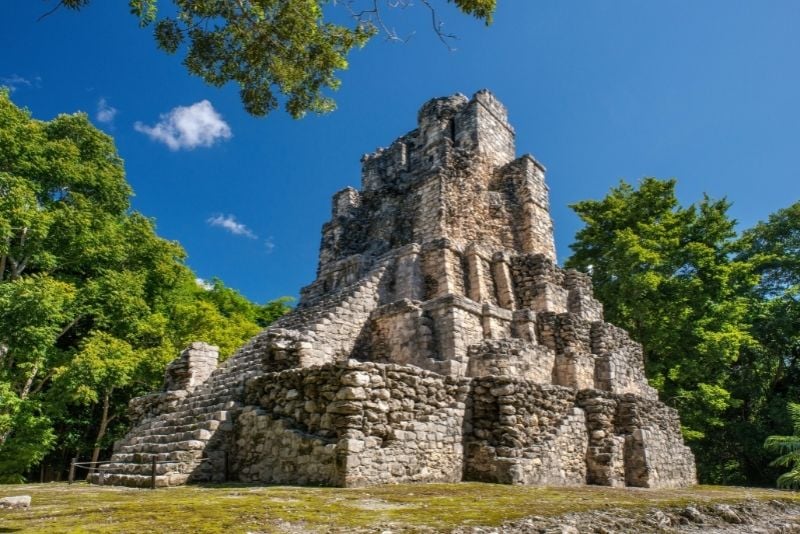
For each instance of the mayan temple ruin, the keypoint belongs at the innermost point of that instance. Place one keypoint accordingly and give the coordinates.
(440, 342)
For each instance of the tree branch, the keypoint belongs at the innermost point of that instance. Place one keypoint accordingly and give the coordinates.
(27, 387)
(21, 266)
(69, 326)
(438, 27)
(44, 380)
(374, 18)
(56, 8)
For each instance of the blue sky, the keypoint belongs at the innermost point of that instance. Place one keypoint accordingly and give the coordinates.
(707, 92)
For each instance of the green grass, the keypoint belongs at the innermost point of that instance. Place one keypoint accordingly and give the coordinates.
(243, 508)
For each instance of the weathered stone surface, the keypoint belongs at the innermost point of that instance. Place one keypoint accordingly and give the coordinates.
(192, 367)
(18, 501)
(754, 517)
(439, 341)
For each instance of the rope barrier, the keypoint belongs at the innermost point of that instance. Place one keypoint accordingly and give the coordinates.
(101, 468)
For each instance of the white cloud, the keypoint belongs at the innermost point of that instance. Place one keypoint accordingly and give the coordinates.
(105, 113)
(15, 81)
(188, 127)
(269, 244)
(203, 283)
(229, 223)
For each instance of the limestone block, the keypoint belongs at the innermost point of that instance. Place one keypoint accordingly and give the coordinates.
(345, 202)
(409, 283)
(523, 325)
(18, 501)
(480, 281)
(575, 369)
(193, 367)
(503, 281)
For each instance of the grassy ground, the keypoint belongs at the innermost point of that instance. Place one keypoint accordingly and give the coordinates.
(242, 508)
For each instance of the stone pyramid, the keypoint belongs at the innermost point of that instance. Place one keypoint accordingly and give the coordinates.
(439, 342)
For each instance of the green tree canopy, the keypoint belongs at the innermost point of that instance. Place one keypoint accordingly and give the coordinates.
(767, 376)
(272, 48)
(93, 304)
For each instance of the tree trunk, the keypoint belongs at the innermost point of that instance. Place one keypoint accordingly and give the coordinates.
(4, 259)
(104, 420)
(27, 387)
(18, 267)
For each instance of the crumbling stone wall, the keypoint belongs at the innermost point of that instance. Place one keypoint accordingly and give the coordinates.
(520, 432)
(460, 155)
(634, 441)
(605, 456)
(193, 367)
(352, 424)
(580, 299)
(569, 336)
(655, 454)
(402, 333)
(513, 358)
(620, 362)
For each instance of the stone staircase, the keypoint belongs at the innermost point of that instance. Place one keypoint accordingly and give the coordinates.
(328, 328)
(187, 431)
(190, 435)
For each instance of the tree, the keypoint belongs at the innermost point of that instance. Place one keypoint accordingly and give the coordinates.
(103, 364)
(775, 245)
(221, 314)
(93, 303)
(767, 376)
(32, 314)
(26, 434)
(789, 449)
(666, 274)
(271, 47)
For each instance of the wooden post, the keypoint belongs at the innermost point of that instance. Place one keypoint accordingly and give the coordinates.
(153, 474)
(72, 470)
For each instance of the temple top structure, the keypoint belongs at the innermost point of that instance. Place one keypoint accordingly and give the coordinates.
(455, 178)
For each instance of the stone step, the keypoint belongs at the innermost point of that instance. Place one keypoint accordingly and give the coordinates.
(184, 410)
(187, 445)
(219, 415)
(125, 468)
(199, 435)
(205, 424)
(169, 420)
(147, 458)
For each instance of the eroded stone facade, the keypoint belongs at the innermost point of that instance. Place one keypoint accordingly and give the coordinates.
(440, 341)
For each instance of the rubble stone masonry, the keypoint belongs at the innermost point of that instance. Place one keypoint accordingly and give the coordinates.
(440, 341)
